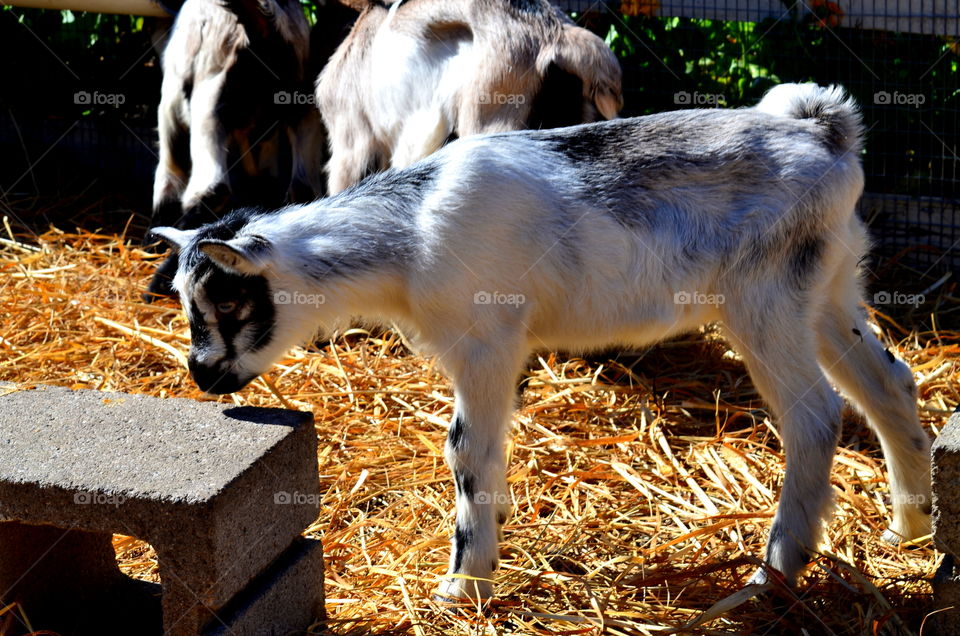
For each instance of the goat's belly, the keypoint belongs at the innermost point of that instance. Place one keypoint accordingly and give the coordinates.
(572, 332)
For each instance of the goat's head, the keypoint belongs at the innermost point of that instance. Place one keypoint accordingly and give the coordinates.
(241, 318)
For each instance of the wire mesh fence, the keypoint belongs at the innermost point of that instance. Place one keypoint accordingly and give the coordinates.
(898, 58)
(78, 101)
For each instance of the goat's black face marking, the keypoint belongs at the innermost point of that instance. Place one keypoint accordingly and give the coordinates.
(253, 307)
(199, 331)
(220, 337)
(212, 379)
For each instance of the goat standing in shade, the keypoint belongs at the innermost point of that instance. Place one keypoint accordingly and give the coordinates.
(236, 121)
(592, 235)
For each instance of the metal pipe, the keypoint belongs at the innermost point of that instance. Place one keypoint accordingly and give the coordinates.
(126, 7)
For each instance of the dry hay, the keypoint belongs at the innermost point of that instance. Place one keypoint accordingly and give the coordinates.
(644, 484)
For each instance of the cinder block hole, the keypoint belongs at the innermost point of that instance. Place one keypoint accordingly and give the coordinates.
(140, 595)
(137, 559)
(72, 583)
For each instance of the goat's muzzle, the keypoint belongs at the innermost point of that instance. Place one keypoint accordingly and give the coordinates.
(212, 379)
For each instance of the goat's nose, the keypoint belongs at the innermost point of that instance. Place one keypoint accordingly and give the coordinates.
(212, 379)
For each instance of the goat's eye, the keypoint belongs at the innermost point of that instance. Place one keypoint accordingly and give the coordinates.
(226, 308)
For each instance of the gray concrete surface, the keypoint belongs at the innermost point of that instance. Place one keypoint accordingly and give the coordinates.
(274, 603)
(946, 528)
(219, 491)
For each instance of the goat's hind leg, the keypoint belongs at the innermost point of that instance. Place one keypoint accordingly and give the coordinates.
(883, 388)
(778, 350)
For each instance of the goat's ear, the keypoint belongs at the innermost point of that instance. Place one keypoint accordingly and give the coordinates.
(177, 239)
(243, 255)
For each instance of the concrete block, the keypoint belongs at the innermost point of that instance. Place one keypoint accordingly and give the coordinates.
(273, 604)
(945, 473)
(946, 599)
(219, 491)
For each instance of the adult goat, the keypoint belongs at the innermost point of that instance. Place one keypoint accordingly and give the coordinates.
(237, 124)
(413, 74)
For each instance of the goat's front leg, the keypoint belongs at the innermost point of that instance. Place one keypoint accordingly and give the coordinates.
(475, 453)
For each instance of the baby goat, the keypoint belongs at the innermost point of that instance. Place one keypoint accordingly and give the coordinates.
(579, 238)
(411, 75)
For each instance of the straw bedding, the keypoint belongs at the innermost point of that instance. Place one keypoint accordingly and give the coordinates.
(644, 483)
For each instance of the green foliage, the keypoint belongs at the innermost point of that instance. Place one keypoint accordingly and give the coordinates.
(92, 30)
(311, 8)
(672, 62)
(54, 55)
(730, 60)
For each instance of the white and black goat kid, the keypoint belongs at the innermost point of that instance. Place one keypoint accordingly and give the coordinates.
(598, 233)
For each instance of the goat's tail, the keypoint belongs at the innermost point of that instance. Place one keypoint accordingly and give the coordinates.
(581, 53)
(833, 109)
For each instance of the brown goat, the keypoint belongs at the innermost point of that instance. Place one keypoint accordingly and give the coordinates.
(413, 74)
(227, 124)
(237, 121)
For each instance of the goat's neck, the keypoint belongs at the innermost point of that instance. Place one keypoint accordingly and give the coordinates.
(376, 296)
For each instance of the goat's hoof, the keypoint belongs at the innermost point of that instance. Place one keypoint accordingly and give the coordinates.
(760, 577)
(453, 602)
(895, 538)
(465, 590)
(768, 576)
(908, 528)
(891, 537)
(462, 607)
